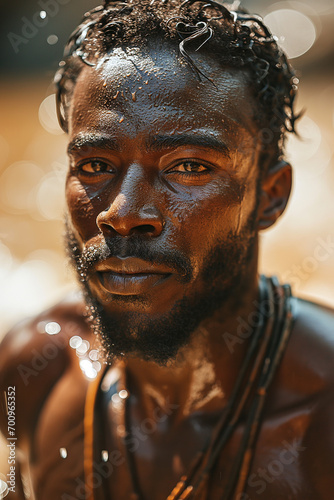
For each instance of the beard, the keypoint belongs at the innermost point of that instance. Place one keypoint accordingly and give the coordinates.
(159, 339)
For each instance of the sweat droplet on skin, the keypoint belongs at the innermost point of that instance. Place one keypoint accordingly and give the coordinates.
(134, 96)
(115, 96)
(121, 119)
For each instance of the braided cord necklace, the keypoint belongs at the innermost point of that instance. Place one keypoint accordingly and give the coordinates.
(260, 364)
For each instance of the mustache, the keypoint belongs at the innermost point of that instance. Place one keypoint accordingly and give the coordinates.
(116, 246)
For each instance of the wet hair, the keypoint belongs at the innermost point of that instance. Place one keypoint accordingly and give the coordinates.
(224, 31)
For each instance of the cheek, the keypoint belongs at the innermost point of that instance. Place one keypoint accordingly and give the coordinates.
(203, 215)
(81, 209)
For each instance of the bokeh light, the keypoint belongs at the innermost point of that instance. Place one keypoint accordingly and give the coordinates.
(50, 196)
(4, 490)
(48, 113)
(75, 341)
(94, 355)
(17, 186)
(87, 368)
(123, 394)
(52, 39)
(321, 6)
(309, 152)
(83, 348)
(295, 31)
(29, 281)
(52, 328)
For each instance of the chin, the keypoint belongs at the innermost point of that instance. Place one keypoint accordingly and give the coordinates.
(127, 334)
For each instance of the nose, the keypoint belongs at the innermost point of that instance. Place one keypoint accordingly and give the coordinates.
(130, 212)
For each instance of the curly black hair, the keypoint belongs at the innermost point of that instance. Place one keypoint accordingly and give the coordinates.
(226, 31)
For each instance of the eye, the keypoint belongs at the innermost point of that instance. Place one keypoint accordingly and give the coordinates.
(190, 167)
(95, 167)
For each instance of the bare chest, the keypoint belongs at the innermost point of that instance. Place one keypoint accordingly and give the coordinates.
(149, 456)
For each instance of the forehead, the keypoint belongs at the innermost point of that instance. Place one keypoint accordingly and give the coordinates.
(141, 90)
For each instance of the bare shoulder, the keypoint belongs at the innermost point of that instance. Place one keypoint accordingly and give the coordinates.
(304, 392)
(307, 369)
(35, 354)
(310, 353)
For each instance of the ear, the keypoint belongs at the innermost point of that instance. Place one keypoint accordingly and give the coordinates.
(274, 194)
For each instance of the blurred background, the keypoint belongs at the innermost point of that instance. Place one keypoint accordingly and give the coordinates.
(33, 273)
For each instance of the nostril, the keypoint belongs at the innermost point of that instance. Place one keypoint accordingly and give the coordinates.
(144, 229)
(106, 228)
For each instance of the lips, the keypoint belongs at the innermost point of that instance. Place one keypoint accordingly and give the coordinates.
(130, 276)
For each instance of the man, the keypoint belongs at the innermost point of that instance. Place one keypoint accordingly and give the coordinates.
(208, 382)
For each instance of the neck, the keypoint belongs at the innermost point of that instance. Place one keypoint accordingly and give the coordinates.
(202, 376)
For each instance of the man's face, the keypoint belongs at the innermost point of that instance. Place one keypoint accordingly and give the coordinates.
(161, 194)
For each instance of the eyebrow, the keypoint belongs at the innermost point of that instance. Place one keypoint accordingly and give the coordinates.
(84, 142)
(160, 142)
(92, 141)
